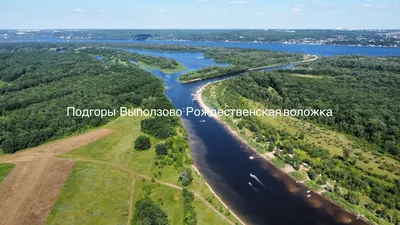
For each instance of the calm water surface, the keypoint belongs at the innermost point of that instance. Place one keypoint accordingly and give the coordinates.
(322, 50)
(273, 198)
(224, 160)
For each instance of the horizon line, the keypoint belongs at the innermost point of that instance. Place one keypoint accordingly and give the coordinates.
(345, 29)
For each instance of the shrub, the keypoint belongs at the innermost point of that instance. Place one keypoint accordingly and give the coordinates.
(148, 212)
(142, 143)
(186, 177)
(161, 149)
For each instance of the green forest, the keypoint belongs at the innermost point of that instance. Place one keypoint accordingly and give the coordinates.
(363, 93)
(240, 60)
(37, 84)
(209, 72)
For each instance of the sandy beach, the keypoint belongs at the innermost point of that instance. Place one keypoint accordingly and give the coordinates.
(268, 156)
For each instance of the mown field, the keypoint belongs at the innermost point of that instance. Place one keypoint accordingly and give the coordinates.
(99, 187)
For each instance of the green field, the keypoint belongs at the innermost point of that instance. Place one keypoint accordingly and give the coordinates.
(111, 164)
(171, 202)
(93, 194)
(4, 170)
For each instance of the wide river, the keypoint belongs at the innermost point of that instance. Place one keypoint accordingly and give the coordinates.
(274, 198)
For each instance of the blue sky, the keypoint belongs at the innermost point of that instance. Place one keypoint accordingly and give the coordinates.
(151, 14)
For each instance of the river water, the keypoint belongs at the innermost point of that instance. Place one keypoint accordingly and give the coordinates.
(224, 160)
(273, 198)
(322, 50)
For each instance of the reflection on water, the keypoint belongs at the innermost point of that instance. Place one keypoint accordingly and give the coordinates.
(255, 190)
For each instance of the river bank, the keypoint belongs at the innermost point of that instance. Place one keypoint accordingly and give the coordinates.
(219, 199)
(255, 190)
(347, 216)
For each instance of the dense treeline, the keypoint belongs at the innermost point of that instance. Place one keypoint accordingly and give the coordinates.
(362, 92)
(159, 127)
(113, 52)
(162, 62)
(240, 60)
(209, 72)
(251, 58)
(37, 86)
(382, 190)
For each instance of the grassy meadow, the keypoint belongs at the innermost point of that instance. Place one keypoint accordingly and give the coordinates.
(5, 168)
(98, 189)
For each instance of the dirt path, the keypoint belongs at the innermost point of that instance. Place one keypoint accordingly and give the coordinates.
(128, 170)
(30, 190)
(130, 215)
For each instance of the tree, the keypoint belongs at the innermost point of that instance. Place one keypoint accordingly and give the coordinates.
(352, 197)
(188, 209)
(312, 174)
(186, 177)
(346, 154)
(161, 149)
(148, 212)
(142, 143)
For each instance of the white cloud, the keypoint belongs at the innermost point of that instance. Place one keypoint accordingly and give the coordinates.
(161, 11)
(57, 9)
(102, 11)
(296, 10)
(238, 2)
(260, 13)
(79, 10)
(368, 5)
(200, 0)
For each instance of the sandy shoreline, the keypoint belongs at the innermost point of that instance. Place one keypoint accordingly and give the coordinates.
(199, 98)
(267, 157)
(215, 194)
(232, 131)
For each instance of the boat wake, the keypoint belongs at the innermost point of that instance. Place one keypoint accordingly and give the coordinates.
(252, 187)
(258, 180)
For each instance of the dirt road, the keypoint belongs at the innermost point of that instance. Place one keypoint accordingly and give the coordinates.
(30, 190)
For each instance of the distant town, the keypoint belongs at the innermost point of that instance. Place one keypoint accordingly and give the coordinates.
(349, 37)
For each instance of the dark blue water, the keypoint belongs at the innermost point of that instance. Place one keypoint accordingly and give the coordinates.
(224, 161)
(322, 50)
